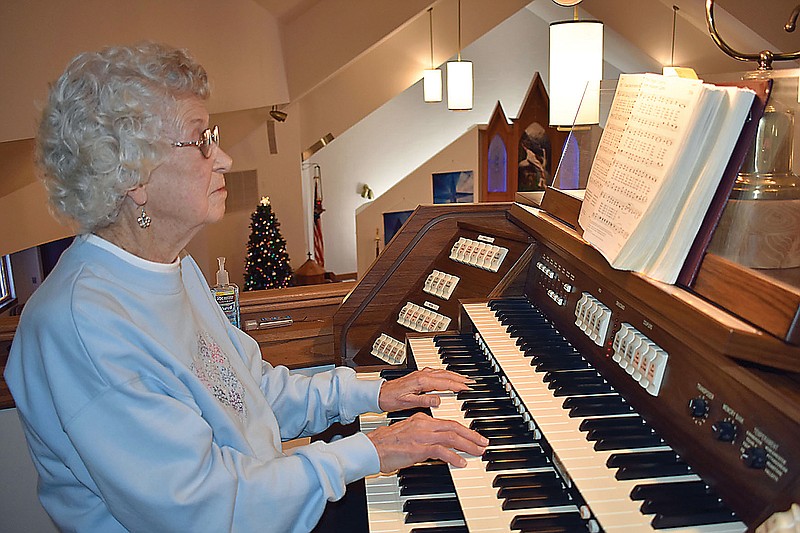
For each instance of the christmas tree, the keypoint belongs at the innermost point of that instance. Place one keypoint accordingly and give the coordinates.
(267, 265)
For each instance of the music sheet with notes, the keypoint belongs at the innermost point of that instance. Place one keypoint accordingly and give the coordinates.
(658, 168)
(646, 130)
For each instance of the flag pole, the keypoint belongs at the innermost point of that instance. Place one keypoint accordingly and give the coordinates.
(319, 246)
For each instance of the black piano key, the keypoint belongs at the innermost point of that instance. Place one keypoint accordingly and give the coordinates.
(510, 440)
(485, 423)
(600, 399)
(433, 473)
(544, 522)
(599, 410)
(557, 355)
(661, 457)
(485, 381)
(432, 510)
(425, 468)
(605, 405)
(481, 404)
(527, 479)
(518, 464)
(467, 356)
(653, 471)
(513, 430)
(664, 490)
(543, 341)
(490, 412)
(394, 373)
(439, 529)
(582, 388)
(535, 330)
(405, 413)
(570, 377)
(539, 498)
(511, 302)
(555, 529)
(688, 519)
(521, 315)
(613, 422)
(421, 486)
(550, 349)
(563, 363)
(483, 367)
(706, 503)
(469, 370)
(480, 394)
(483, 384)
(512, 453)
(509, 318)
(625, 442)
(529, 491)
(629, 431)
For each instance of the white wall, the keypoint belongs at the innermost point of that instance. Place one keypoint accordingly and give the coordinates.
(391, 142)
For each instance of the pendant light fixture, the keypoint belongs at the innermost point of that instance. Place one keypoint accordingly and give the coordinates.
(459, 78)
(432, 77)
(576, 68)
(672, 70)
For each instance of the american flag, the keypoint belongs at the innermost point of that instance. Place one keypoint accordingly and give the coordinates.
(319, 246)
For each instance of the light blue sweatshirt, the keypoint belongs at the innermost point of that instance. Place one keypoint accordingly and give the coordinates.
(145, 410)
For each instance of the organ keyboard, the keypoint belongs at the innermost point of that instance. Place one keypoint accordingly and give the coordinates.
(619, 406)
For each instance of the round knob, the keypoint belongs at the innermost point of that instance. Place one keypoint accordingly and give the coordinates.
(724, 430)
(755, 457)
(698, 407)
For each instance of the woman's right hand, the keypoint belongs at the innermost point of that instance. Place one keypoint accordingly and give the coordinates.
(422, 437)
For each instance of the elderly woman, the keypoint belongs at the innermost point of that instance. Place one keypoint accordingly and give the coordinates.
(144, 409)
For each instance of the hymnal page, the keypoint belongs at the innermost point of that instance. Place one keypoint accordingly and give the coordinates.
(625, 96)
(645, 138)
(735, 106)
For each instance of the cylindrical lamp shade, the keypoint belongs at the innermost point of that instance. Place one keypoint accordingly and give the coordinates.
(576, 59)
(432, 85)
(459, 85)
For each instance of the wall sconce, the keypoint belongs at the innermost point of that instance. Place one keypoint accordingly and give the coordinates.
(432, 77)
(576, 68)
(459, 78)
(366, 192)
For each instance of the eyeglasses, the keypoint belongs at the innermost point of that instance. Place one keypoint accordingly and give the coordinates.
(208, 138)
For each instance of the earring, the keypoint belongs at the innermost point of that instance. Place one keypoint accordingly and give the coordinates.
(144, 220)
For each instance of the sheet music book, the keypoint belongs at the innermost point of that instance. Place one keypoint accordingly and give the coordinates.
(659, 164)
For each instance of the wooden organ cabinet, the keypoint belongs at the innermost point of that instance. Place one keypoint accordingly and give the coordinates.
(644, 406)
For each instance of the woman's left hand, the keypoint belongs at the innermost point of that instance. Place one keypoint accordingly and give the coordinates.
(409, 391)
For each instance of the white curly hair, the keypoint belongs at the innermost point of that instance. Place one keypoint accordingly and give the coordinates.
(102, 127)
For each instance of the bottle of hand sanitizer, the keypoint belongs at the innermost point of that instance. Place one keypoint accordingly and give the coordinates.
(226, 294)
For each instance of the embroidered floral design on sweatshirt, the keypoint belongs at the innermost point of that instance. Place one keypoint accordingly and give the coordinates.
(212, 367)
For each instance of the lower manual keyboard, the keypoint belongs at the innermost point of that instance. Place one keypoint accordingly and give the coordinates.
(477, 486)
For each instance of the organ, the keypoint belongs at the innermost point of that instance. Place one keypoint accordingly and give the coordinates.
(613, 403)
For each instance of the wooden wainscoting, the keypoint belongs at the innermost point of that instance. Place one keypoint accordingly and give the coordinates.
(307, 341)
